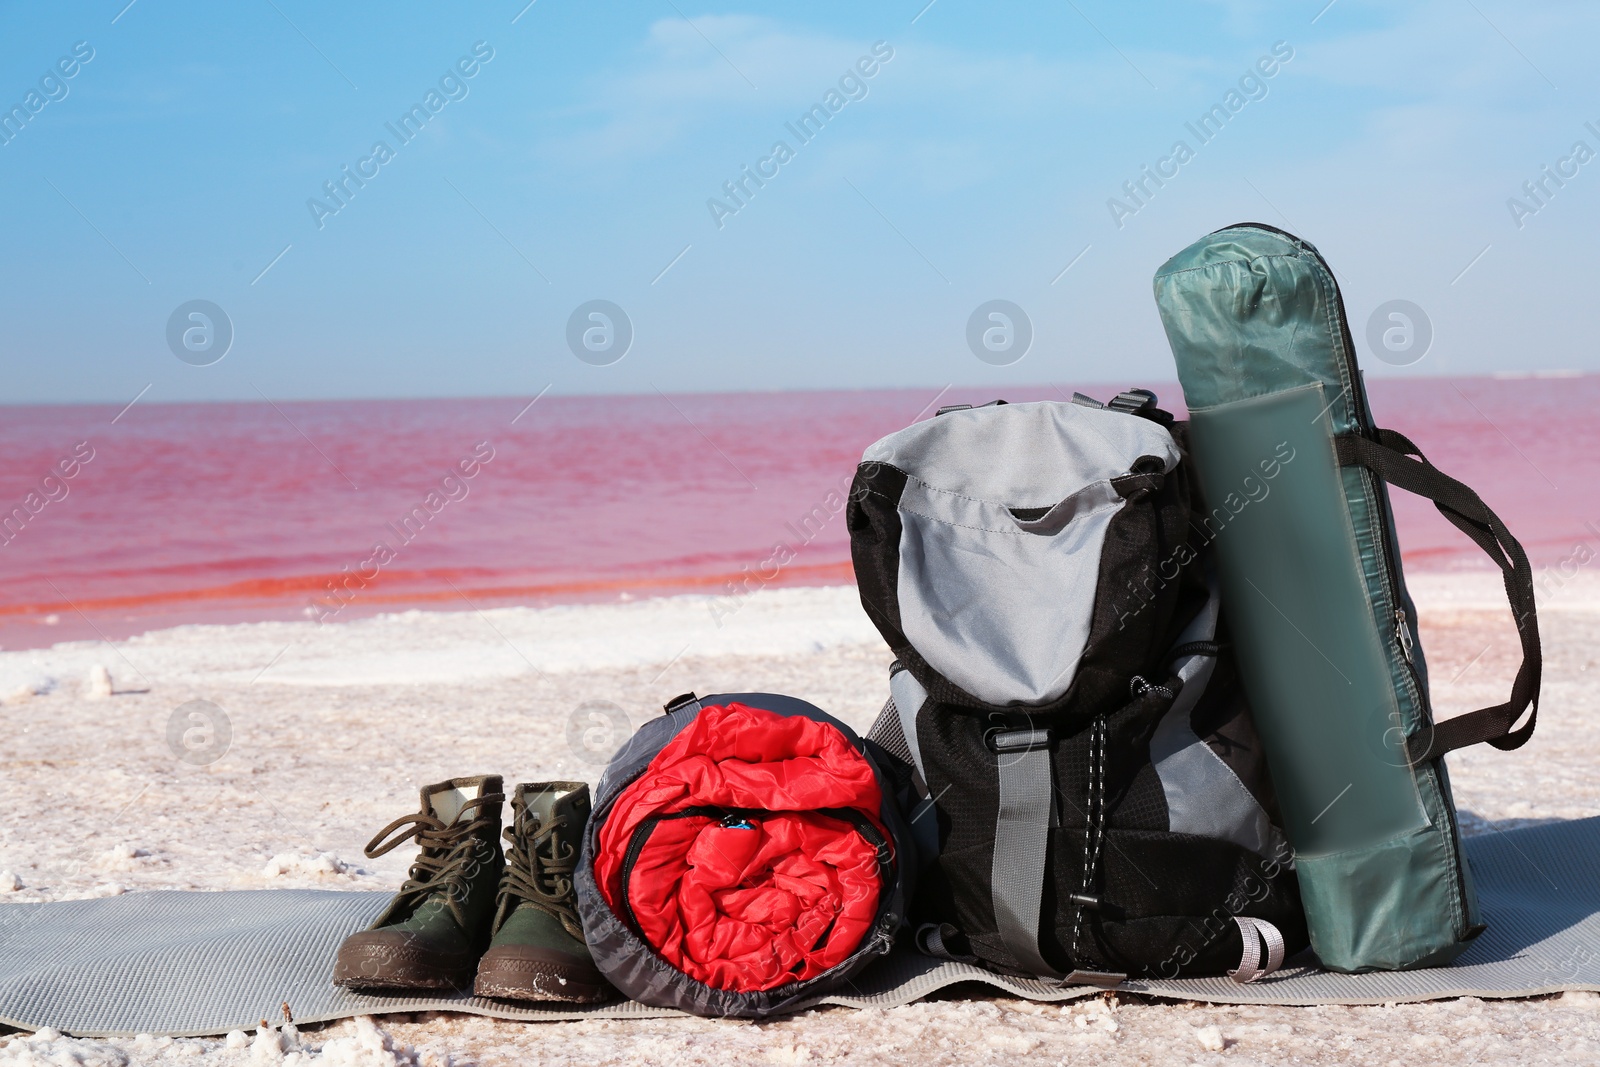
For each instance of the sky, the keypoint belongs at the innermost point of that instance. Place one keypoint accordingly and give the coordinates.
(956, 154)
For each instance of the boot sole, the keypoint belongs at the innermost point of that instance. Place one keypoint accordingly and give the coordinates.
(546, 990)
(386, 964)
(513, 976)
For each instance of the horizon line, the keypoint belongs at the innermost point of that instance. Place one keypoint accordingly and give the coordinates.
(1497, 375)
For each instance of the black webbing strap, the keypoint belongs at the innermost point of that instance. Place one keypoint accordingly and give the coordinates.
(1397, 461)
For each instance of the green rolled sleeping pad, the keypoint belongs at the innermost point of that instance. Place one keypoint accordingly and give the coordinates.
(1294, 474)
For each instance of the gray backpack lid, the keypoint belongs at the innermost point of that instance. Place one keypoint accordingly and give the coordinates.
(1003, 514)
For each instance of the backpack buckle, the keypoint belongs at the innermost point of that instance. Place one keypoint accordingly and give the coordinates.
(1132, 401)
(1102, 979)
(1028, 739)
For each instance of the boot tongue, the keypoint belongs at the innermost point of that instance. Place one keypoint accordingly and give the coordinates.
(446, 803)
(546, 803)
(537, 851)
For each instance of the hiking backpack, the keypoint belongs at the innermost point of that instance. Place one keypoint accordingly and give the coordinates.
(1074, 754)
(744, 856)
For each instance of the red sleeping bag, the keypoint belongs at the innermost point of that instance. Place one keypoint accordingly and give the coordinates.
(748, 852)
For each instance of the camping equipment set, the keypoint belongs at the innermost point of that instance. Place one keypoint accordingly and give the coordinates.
(1158, 707)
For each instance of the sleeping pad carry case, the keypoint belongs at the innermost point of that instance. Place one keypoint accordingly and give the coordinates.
(1070, 743)
(1295, 471)
(744, 855)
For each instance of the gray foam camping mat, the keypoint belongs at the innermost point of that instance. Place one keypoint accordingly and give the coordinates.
(187, 964)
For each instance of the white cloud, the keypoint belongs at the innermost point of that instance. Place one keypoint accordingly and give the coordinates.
(682, 78)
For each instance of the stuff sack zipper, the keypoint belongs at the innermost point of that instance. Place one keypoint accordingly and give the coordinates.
(740, 819)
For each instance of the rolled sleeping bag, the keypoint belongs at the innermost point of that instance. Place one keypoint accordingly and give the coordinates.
(743, 857)
(1296, 474)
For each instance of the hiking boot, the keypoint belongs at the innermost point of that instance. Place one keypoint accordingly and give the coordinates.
(432, 933)
(538, 951)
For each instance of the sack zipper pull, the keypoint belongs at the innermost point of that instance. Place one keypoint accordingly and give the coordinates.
(1402, 633)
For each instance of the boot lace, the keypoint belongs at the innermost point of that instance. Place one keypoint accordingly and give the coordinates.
(539, 868)
(452, 853)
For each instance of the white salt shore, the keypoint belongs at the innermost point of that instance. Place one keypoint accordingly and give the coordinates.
(266, 755)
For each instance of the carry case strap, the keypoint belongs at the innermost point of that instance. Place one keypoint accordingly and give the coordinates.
(1397, 461)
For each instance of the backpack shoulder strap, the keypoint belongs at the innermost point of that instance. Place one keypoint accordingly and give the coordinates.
(1397, 461)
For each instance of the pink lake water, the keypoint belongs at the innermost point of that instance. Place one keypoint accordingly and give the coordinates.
(247, 512)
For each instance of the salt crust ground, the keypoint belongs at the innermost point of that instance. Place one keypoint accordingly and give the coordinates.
(334, 727)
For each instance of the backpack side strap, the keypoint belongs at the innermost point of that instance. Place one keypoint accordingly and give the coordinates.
(1397, 461)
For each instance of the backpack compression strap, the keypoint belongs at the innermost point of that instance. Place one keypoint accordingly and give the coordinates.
(1263, 949)
(1390, 457)
(1021, 842)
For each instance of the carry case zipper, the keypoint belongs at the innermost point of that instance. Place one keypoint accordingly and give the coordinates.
(1402, 634)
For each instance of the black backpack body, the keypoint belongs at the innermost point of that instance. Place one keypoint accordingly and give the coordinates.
(1075, 756)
